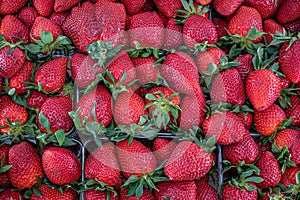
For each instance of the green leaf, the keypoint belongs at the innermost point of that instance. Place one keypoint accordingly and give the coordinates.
(60, 136)
(254, 179)
(37, 192)
(44, 122)
(5, 168)
(46, 37)
(139, 190)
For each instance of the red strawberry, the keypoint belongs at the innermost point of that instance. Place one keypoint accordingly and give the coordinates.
(64, 5)
(245, 150)
(52, 75)
(56, 110)
(52, 193)
(147, 29)
(188, 162)
(266, 8)
(205, 191)
(133, 6)
(14, 112)
(44, 7)
(145, 71)
(247, 119)
(294, 110)
(238, 25)
(163, 148)
(289, 176)
(36, 99)
(103, 111)
(176, 190)
(226, 126)
(211, 55)
(11, 63)
(227, 8)
(149, 6)
(163, 18)
(269, 120)
(288, 11)
(285, 83)
(10, 194)
(9, 7)
(221, 26)
(4, 180)
(28, 15)
(289, 61)
(293, 26)
(203, 2)
(26, 166)
(173, 35)
(59, 18)
(263, 147)
(231, 192)
(147, 195)
(61, 166)
(24, 75)
(102, 164)
(168, 7)
(198, 29)
(135, 158)
(98, 195)
(246, 67)
(270, 195)
(263, 88)
(12, 29)
(270, 27)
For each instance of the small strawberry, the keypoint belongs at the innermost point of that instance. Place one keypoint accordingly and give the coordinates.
(266, 8)
(10, 7)
(44, 7)
(145, 71)
(168, 7)
(288, 11)
(24, 75)
(173, 35)
(246, 67)
(293, 26)
(99, 195)
(229, 192)
(36, 99)
(13, 29)
(133, 6)
(149, 6)
(289, 176)
(227, 8)
(11, 194)
(53, 193)
(176, 190)
(221, 27)
(211, 55)
(61, 166)
(64, 5)
(203, 2)
(247, 119)
(147, 195)
(28, 15)
(285, 83)
(163, 148)
(271, 27)
(205, 191)
(59, 18)
(294, 110)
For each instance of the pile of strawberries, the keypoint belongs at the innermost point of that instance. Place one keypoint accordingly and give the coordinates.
(152, 88)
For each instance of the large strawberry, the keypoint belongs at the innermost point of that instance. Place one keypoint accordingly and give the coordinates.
(4, 180)
(205, 191)
(36, 99)
(229, 192)
(24, 75)
(28, 15)
(102, 164)
(263, 88)
(294, 110)
(26, 166)
(44, 7)
(163, 148)
(133, 6)
(99, 195)
(176, 190)
(227, 8)
(173, 35)
(13, 29)
(211, 55)
(168, 7)
(61, 166)
(246, 67)
(53, 193)
(147, 195)
(10, 7)
(64, 5)
(52, 75)
(145, 71)
(11, 194)
(266, 8)
(288, 11)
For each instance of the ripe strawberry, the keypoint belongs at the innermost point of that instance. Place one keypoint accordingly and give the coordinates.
(52, 75)
(13, 29)
(133, 7)
(149, 6)
(163, 148)
(56, 110)
(9, 7)
(245, 150)
(10, 194)
(4, 180)
(102, 164)
(205, 191)
(221, 26)
(289, 176)
(61, 166)
(203, 2)
(231, 192)
(36, 99)
(135, 158)
(173, 35)
(269, 120)
(26, 166)
(246, 67)
(226, 126)
(145, 72)
(64, 5)
(24, 75)
(14, 112)
(99, 195)
(28, 15)
(266, 8)
(269, 170)
(263, 147)
(147, 29)
(52, 193)
(147, 195)
(44, 7)
(270, 27)
(285, 83)
(168, 7)
(288, 11)
(211, 55)
(59, 18)
(293, 26)
(11, 63)
(198, 29)
(263, 88)
(188, 162)
(227, 8)
(289, 62)
(238, 24)
(176, 190)
(247, 119)
(294, 110)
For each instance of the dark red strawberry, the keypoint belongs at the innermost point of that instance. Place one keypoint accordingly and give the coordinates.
(247, 119)
(11, 194)
(173, 35)
(135, 158)
(205, 191)
(61, 166)
(229, 192)
(56, 110)
(52, 193)
(4, 180)
(289, 176)
(176, 190)
(221, 27)
(168, 7)
(293, 26)
(44, 7)
(263, 147)
(266, 8)
(163, 148)
(145, 71)
(271, 27)
(36, 99)
(59, 18)
(288, 11)
(26, 166)
(149, 6)
(133, 6)
(64, 5)
(147, 195)
(285, 83)
(246, 67)
(52, 75)
(211, 55)
(24, 75)
(226, 8)
(99, 195)
(294, 110)
(9, 7)
(13, 29)
(28, 15)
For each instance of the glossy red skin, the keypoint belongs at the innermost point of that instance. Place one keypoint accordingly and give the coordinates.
(12, 29)
(238, 24)
(61, 166)
(221, 26)
(163, 148)
(63, 5)
(263, 88)
(173, 35)
(133, 6)
(9, 7)
(167, 7)
(294, 110)
(11, 63)
(10, 194)
(44, 7)
(98, 195)
(4, 181)
(235, 193)
(147, 195)
(288, 11)
(14, 112)
(247, 119)
(176, 190)
(266, 8)
(51, 193)
(289, 176)
(205, 191)
(26, 166)
(269, 170)
(270, 27)
(36, 99)
(226, 8)
(145, 72)
(28, 15)
(59, 18)
(102, 164)
(211, 55)
(293, 26)
(22, 76)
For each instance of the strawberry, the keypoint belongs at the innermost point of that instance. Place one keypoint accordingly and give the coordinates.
(198, 29)
(173, 35)
(188, 162)
(269, 170)
(288, 11)
(56, 110)
(133, 6)
(12, 29)
(59, 18)
(270, 195)
(226, 126)
(8, 7)
(44, 7)
(263, 147)
(135, 158)
(285, 83)
(149, 6)
(163, 148)
(294, 110)
(203, 2)
(24, 75)
(289, 62)
(238, 24)
(98, 195)
(176, 190)
(147, 195)
(145, 71)
(14, 112)
(247, 119)
(147, 29)
(232, 192)
(128, 108)
(103, 111)
(205, 191)
(227, 8)
(26, 166)
(293, 26)
(221, 26)
(52, 193)
(61, 166)
(211, 55)
(11, 194)
(168, 7)
(289, 176)
(102, 164)
(270, 27)
(266, 8)
(245, 150)
(64, 5)
(36, 99)
(52, 75)
(262, 88)
(4, 180)
(246, 67)
(28, 15)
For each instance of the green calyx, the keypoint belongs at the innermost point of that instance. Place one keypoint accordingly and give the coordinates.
(12, 46)
(94, 184)
(283, 157)
(280, 38)
(223, 107)
(284, 99)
